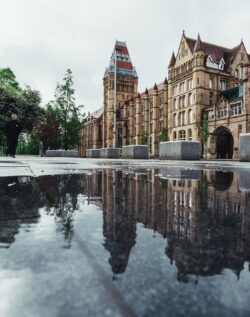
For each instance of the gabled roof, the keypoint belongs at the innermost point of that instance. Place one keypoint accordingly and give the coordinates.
(96, 114)
(215, 51)
(222, 98)
(152, 89)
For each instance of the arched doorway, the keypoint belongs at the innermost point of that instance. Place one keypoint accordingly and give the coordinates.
(224, 143)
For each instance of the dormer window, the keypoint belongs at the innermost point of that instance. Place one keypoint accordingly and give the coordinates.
(209, 59)
(211, 64)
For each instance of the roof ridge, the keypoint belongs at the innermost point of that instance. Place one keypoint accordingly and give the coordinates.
(91, 113)
(203, 42)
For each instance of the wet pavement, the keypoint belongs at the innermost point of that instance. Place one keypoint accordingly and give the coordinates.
(122, 239)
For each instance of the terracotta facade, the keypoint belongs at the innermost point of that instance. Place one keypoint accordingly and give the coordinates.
(204, 81)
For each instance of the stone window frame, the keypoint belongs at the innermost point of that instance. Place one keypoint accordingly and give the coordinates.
(190, 116)
(182, 135)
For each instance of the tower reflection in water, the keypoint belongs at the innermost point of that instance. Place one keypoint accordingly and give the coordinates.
(204, 216)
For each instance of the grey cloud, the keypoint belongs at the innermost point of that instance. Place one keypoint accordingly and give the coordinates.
(40, 39)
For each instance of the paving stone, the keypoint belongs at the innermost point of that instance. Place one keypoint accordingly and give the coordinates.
(61, 153)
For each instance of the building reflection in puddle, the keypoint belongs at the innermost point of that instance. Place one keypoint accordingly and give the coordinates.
(204, 216)
(206, 220)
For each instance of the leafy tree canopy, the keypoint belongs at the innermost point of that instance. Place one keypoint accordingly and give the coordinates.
(204, 132)
(8, 79)
(13, 99)
(69, 114)
(48, 128)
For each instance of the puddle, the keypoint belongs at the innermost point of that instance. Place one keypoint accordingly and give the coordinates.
(59, 163)
(155, 242)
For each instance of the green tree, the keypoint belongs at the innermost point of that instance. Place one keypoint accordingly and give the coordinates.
(69, 112)
(144, 138)
(8, 79)
(164, 135)
(13, 99)
(29, 110)
(48, 129)
(28, 144)
(204, 131)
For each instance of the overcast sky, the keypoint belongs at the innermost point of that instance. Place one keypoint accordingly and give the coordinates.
(40, 39)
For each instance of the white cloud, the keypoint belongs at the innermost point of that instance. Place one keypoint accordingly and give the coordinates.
(40, 39)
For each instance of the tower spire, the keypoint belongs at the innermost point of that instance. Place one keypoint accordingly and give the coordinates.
(172, 61)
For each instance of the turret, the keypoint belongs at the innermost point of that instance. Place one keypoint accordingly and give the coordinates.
(199, 52)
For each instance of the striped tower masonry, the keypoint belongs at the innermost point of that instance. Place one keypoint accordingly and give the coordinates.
(126, 89)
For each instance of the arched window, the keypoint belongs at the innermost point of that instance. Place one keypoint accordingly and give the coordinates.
(182, 135)
(179, 119)
(241, 72)
(183, 118)
(189, 134)
(190, 116)
(180, 102)
(183, 101)
(174, 104)
(189, 99)
(175, 120)
(174, 136)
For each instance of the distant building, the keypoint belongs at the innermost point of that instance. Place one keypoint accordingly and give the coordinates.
(92, 134)
(204, 80)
